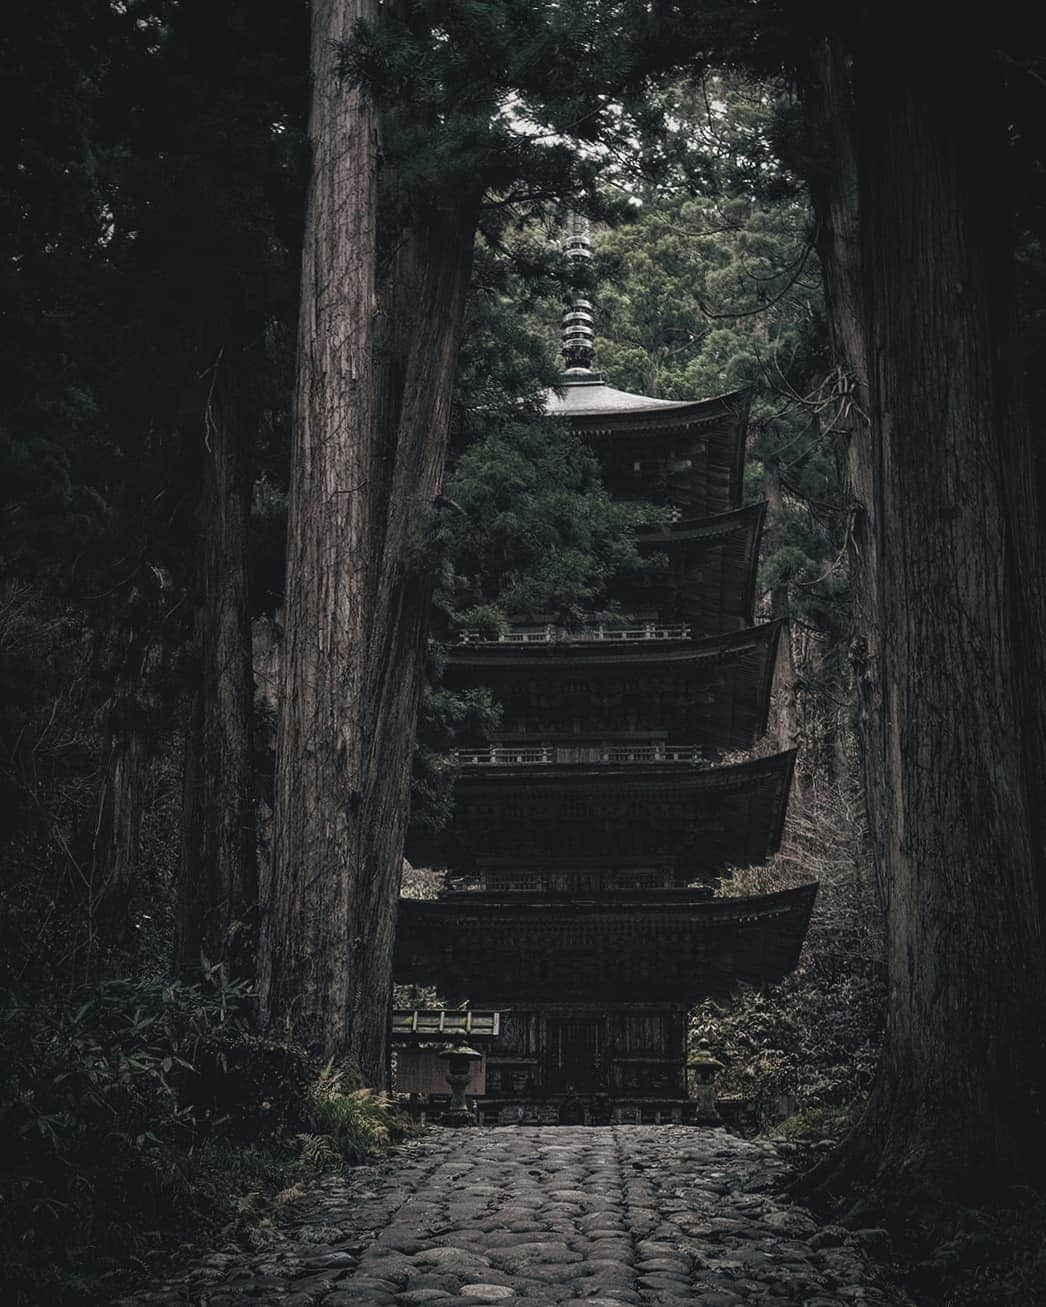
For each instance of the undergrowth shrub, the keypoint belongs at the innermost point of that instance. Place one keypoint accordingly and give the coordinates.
(100, 1147)
(350, 1123)
(141, 1107)
(809, 1046)
(245, 1086)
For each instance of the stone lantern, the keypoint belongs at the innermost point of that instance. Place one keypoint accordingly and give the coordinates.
(702, 1068)
(458, 1059)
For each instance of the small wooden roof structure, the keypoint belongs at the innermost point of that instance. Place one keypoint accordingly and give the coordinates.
(434, 1023)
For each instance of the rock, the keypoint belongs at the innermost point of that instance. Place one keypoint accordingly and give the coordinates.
(554, 1273)
(595, 1294)
(663, 1283)
(676, 1265)
(451, 1283)
(830, 1237)
(318, 1234)
(347, 1298)
(537, 1251)
(791, 1221)
(260, 1237)
(386, 1262)
(630, 1216)
(874, 1241)
(450, 1258)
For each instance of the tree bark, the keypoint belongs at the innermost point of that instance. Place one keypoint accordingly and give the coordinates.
(121, 802)
(950, 621)
(134, 653)
(784, 710)
(217, 886)
(375, 369)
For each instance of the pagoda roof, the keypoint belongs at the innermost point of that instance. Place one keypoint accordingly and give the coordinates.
(712, 566)
(713, 692)
(658, 945)
(696, 821)
(689, 453)
(567, 652)
(585, 397)
(667, 535)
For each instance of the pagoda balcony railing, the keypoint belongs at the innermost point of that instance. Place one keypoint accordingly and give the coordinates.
(511, 755)
(594, 634)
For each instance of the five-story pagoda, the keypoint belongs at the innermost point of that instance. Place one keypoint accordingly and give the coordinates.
(590, 831)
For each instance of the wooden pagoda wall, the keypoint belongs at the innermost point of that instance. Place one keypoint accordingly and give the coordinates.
(626, 1051)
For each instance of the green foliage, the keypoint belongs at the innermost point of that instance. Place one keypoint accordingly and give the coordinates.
(243, 1085)
(348, 1124)
(531, 534)
(495, 98)
(507, 357)
(446, 714)
(995, 1258)
(809, 1046)
(144, 1105)
(526, 533)
(817, 1123)
(814, 1038)
(91, 1127)
(714, 286)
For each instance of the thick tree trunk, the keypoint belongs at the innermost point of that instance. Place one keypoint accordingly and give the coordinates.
(305, 977)
(949, 602)
(129, 724)
(121, 802)
(375, 368)
(217, 887)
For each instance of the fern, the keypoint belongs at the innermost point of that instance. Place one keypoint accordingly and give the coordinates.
(358, 1123)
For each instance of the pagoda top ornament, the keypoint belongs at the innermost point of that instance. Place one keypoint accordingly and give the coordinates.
(582, 392)
(579, 336)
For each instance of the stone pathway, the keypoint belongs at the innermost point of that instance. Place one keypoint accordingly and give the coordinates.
(610, 1216)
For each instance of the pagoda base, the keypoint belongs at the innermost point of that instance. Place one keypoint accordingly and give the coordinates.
(562, 1110)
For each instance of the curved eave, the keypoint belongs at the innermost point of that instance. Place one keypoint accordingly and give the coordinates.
(698, 820)
(690, 454)
(659, 945)
(740, 529)
(724, 681)
(645, 776)
(748, 519)
(654, 654)
(590, 404)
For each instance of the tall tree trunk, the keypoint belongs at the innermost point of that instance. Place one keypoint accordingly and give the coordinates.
(121, 801)
(375, 368)
(785, 716)
(950, 620)
(217, 887)
(129, 726)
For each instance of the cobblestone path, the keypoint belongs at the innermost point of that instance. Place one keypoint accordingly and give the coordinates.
(610, 1216)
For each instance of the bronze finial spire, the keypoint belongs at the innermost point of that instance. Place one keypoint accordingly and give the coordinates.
(579, 337)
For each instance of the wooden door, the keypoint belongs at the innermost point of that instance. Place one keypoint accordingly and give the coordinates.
(575, 1054)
